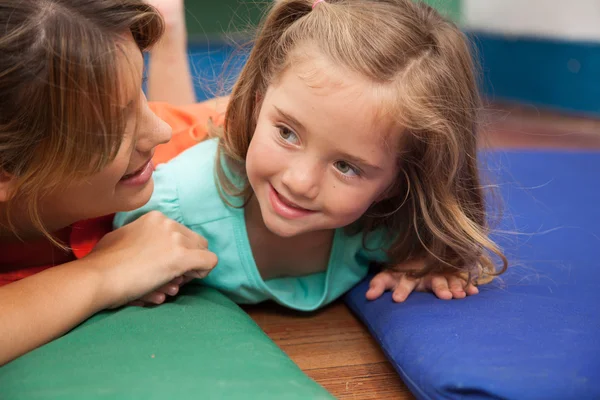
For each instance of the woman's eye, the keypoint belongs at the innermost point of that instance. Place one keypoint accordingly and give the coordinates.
(288, 135)
(346, 169)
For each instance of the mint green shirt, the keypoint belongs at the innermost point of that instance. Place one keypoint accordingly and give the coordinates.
(185, 190)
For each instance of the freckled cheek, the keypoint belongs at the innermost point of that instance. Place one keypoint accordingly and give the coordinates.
(264, 159)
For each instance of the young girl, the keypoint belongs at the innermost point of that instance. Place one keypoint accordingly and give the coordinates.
(349, 139)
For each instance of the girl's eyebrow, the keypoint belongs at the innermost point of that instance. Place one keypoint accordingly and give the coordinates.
(290, 118)
(360, 161)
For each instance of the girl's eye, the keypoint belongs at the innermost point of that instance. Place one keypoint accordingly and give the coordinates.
(346, 169)
(288, 135)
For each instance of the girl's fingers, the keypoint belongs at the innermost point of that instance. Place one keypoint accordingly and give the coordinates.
(445, 287)
(457, 286)
(439, 285)
(404, 288)
(380, 283)
(471, 289)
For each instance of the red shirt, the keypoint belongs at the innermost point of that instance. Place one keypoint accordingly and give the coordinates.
(21, 259)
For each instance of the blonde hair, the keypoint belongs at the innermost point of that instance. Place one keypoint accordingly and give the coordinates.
(438, 210)
(60, 95)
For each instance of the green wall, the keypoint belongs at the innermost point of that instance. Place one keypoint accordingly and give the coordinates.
(210, 19)
(451, 8)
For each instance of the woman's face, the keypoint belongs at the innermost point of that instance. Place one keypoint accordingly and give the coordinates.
(126, 183)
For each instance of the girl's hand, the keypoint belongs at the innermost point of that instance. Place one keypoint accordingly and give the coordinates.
(150, 256)
(444, 286)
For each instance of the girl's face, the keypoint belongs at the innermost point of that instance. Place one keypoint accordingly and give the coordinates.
(320, 155)
(126, 183)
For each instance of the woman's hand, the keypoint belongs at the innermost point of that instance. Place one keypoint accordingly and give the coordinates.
(160, 295)
(149, 257)
(127, 264)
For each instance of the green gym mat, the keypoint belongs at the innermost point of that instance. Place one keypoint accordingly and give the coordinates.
(200, 346)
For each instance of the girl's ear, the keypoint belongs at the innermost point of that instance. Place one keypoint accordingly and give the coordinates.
(6, 184)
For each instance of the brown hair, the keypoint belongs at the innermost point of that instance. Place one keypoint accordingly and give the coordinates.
(438, 213)
(61, 115)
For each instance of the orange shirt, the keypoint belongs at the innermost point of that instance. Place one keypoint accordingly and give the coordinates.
(21, 259)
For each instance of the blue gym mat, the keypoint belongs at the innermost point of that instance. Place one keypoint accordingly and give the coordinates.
(536, 333)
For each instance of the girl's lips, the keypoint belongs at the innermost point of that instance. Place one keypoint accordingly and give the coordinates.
(139, 177)
(285, 208)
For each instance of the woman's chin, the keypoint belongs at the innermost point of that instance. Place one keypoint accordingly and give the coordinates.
(133, 201)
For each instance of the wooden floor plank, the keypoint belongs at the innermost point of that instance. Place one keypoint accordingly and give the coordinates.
(334, 348)
(367, 381)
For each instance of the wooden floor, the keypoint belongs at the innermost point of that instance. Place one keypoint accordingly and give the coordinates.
(332, 346)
